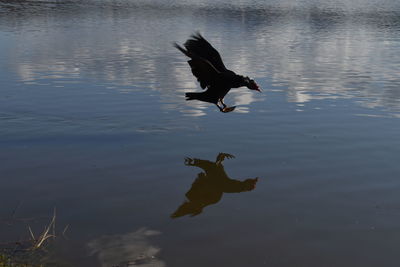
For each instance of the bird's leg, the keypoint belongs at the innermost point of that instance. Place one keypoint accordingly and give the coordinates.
(220, 109)
(221, 100)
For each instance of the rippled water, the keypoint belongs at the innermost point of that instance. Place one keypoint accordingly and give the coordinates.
(94, 122)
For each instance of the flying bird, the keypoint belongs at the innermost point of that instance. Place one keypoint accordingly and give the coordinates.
(207, 66)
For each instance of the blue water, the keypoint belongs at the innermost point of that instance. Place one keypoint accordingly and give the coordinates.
(93, 121)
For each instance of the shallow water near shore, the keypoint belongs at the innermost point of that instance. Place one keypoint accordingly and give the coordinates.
(93, 121)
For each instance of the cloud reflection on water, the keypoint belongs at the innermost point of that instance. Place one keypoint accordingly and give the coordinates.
(312, 52)
(131, 249)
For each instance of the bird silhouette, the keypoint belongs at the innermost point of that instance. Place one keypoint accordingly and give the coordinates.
(210, 185)
(207, 66)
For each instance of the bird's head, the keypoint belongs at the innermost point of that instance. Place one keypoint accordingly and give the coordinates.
(251, 84)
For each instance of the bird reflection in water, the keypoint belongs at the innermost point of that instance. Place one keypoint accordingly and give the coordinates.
(207, 66)
(210, 185)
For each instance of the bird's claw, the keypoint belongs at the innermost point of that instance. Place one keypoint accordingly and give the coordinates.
(228, 109)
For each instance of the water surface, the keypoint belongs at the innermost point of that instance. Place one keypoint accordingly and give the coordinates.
(94, 122)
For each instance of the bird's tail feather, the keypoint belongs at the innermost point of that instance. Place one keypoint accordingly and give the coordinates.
(191, 96)
(203, 96)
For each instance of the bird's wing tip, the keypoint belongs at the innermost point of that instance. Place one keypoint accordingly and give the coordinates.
(180, 48)
(197, 35)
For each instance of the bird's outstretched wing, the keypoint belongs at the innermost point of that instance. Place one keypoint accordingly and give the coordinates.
(202, 69)
(202, 48)
(204, 72)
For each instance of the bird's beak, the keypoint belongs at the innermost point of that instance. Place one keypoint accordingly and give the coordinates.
(258, 89)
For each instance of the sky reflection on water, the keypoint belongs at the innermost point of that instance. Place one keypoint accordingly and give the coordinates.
(93, 121)
(309, 53)
(131, 249)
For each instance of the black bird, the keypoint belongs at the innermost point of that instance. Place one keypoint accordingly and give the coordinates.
(210, 71)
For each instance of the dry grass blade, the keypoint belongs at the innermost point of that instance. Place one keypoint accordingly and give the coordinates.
(32, 235)
(54, 223)
(16, 208)
(65, 230)
(45, 235)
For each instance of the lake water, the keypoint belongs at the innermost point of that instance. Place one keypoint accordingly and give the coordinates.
(93, 122)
